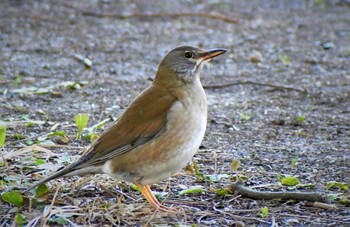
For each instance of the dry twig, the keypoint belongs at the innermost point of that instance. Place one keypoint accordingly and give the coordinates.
(304, 91)
(213, 16)
(299, 196)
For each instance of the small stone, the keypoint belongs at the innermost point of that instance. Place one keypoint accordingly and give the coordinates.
(327, 45)
(255, 57)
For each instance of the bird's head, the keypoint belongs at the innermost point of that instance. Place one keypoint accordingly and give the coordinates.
(183, 64)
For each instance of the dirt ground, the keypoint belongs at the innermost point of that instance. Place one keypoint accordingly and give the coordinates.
(272, 131)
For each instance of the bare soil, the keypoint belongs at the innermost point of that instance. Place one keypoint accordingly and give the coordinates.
(271, 131)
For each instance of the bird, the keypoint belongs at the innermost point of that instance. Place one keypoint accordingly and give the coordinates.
(158, 133)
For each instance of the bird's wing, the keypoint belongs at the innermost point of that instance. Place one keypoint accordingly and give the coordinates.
(139, 123)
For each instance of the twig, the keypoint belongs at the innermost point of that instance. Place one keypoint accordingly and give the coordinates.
(213, 16)
(299, 196)
(304, 91)
(48, 211)
(323, 206)
(239, 216)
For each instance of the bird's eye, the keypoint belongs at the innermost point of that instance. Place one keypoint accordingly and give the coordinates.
(188, 55)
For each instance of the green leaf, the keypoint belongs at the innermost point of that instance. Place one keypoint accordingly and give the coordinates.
(92, 136)
(60, 220)
(193, 190)
(264, 212)
(245, 117)
(42, 91)
(30, 124)
(333, 197)
(301, 119)
(339, 197)
(18, 136)
(99, 125)
(160, 195)
(133, 186)
(237, 177)
(295, 162)
(81, 120)
(29, 142)
(41, 190)
(334, 184)
(20, 219)
(286, 60)
(235, 165)
(57, 133)
(289, 181)
(64, 159)
(39, 161)
(12, 197)
(87, 62)
(2, 135)
(310, 186)
(222, 191)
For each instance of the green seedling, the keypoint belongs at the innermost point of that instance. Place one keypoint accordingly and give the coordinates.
(2, 135)
(301, 119)
(294, 162)
(334, 184)
(192, 190)
(264, 212)
(81, 121)
(39, 161)
(18, 136)
(30, 124)
(20, 219)
(222, 191)
(289, 181)
(245, 117)
(286, 60)
(59, 220)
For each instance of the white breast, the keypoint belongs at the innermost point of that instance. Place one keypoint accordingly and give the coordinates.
(175, 147)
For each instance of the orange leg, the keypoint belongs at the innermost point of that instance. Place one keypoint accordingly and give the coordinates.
(146, 191)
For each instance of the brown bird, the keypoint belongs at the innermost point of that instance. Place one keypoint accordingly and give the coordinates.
(160, 131)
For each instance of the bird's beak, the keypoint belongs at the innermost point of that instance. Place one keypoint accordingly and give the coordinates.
(211, 54)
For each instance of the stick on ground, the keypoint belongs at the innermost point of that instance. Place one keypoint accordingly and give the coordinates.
(253, 194)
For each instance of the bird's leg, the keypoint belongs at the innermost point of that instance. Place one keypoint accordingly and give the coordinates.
(146, 191)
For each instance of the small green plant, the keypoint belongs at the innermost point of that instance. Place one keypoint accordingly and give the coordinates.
(286, 60)
(289, 181)
(234, 165)
(301, 119)
(245, 117)
(2, 135)
(81, 121)
(192, 190)
(340, 185)
(264, 212)
(20, 219)
(18, 136)
(294, 162)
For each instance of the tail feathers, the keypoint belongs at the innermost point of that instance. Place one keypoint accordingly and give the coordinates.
(71, 170)
(58, 174)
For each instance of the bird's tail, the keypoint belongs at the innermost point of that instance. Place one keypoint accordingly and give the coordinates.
(58, 174)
